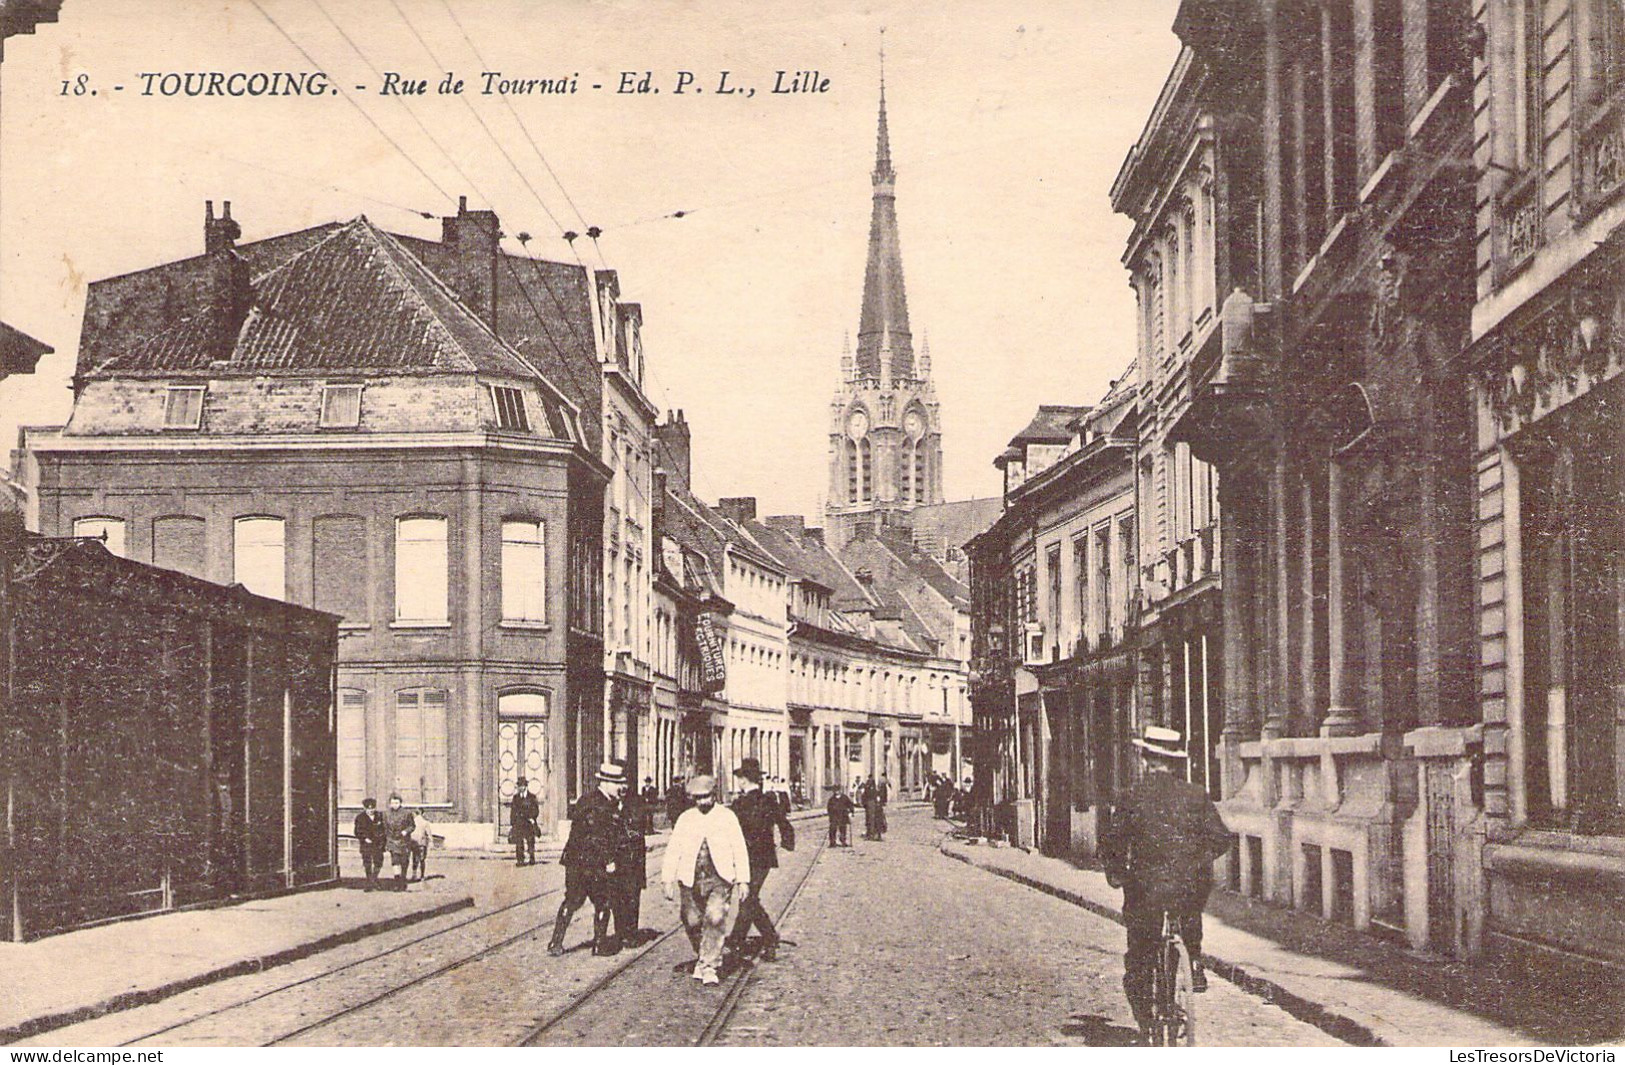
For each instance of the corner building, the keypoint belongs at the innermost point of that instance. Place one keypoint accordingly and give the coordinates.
(318, 417)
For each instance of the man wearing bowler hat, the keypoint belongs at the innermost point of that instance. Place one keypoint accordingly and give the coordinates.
(759, 813)
(707, 859)
(1165, 837)
(589, 860)
(523, 830)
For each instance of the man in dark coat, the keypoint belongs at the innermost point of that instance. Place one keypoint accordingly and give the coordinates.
(651, 798)
(676, 800)
(369, 833)
(632, 867)
(590, 859)
(522, 828)
(758, 813)
(399, 824)
(839, 809)
(1165, 837)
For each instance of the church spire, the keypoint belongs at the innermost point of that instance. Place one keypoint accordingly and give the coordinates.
(885, 347)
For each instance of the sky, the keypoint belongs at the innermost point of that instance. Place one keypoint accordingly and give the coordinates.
(1008, 123)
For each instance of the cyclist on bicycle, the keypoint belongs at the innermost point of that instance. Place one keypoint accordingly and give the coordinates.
(1165, 837)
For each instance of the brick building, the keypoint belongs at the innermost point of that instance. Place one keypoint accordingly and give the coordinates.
(318, 417)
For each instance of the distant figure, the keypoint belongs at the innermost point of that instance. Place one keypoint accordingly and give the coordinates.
(590, 860)
(651, 798)
(869, 799)
(370, 834)
(840, 819)
(882, 796)
(676, 800)
(759, 813)
(707, 857)
(632, 868)
(422, 839)
(523, 811)
(399, 825)
(942, 797)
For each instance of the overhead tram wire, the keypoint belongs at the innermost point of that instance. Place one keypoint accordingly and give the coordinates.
(353, 103)
(410, 113)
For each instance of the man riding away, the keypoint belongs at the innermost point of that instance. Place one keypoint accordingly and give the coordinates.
(1165, 836)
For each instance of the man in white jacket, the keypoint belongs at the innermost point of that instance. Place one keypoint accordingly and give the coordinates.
(707, 856)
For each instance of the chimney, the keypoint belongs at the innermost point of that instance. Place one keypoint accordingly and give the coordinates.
(791, 525)
(863, 530)
(865, 576)
(472, 243)
(738, 509)
(673, 439)
(219, 234)
(657, 505)
(815, 535)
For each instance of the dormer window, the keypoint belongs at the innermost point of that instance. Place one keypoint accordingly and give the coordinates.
(183, 407)
(510, 408)
(341, 407)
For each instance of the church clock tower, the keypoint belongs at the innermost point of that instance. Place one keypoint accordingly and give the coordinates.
(885, 440)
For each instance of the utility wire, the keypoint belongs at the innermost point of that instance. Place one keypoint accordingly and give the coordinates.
(362, 111)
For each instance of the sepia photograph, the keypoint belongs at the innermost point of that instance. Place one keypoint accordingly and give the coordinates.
(768, 523)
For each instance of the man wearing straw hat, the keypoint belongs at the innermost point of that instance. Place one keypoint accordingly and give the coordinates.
(1165, 837)
(596, 834)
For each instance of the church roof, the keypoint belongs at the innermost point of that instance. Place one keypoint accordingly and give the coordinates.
(883, 324)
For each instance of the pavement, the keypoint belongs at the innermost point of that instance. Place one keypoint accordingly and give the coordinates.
(1354, 986)
(80, 976)
(88, 973)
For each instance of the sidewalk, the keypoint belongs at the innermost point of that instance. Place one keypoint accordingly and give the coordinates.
(72, 977)
(1354, 986)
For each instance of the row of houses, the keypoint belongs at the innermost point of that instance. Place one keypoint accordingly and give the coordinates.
(448, 446)
(1351, 519)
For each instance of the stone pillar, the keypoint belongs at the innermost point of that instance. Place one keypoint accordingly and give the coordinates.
(1365, 88)
(1278, 603)
(1299, 105)
(1307, 717)
(1342, 619)
(1274, 284)
(1328, 114)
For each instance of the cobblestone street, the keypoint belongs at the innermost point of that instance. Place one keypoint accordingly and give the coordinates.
(888, 943)
(896, 945)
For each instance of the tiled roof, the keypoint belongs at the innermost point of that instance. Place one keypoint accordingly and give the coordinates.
(809, 560)
(1051, 425)
(355, 302)
(943, 526)
(19, 352)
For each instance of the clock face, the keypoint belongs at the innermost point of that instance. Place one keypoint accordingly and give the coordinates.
(857, 424)
(914, 425)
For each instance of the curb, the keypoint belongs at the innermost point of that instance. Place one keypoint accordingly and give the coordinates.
(244, 967)
(1337, 1025)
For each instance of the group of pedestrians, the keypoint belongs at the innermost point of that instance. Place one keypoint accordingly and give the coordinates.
(947, 800)
(403, 835)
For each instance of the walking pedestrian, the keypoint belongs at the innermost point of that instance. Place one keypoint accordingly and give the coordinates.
(707, 858)
(759, 813)
(398, 827)
(631, 869)
(523, 810)
(869, 798)
(589, 860)
(839, 809)
(651, 798)
(370, 835)
(882, 796)
(422, 840)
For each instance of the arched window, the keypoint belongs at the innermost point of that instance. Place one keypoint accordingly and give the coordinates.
(852, 475)
(866, 482)
(258, 556)
(420, 570)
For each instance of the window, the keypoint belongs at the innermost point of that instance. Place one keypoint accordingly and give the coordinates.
(420, 746)
(341, 407)
(339, 566)
(865, 470)
(524, 571)
(258, 557)
(183, 407)
(420, 570)
(1080, 577)
(510, 407)
(1528, 36)
(110, 531)
(1604, 48)
(352, 746)
(1052, 562)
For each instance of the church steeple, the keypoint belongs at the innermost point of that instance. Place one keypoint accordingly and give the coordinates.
(885, 347)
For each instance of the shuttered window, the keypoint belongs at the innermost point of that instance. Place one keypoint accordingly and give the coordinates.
(352, 746)
(524, 571)
(420, 746)
(420, 570)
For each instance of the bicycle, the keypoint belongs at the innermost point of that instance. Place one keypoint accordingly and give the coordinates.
(1173, 999)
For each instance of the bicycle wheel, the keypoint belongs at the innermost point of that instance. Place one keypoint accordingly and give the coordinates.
(1182, 1016)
